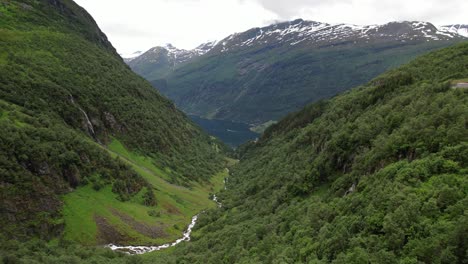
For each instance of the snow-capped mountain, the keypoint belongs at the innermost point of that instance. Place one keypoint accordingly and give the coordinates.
(160, 60)
(205, 47)
(306, 33)
(312, 33)
(264, 73)
(459, 29)
(175, 55)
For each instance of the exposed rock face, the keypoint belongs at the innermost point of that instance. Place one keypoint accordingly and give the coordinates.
(112, 123)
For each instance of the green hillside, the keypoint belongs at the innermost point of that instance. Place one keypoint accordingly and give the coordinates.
(376, 175)
(91, 154)
(88, 147)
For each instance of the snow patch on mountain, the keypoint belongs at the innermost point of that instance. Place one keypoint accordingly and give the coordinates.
(316, 33)
(173, 55)
(456, 29)
(312, 33)
(205, 47)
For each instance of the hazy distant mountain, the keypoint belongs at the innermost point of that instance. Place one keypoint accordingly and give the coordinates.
(159, 61)
(457, 28)
(264, 73)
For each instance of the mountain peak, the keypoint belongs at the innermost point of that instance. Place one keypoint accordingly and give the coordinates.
(308, 32)
(158, 62)
(169, 46)
(305, 32)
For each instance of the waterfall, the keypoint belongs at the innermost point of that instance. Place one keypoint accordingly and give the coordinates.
(90, 125)
(88, 122)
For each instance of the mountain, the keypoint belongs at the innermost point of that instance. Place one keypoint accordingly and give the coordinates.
(377, 174)
(300, 32)
(458, 29)
(160, 61)
(89, 151)
(91, 154)
(264, 73)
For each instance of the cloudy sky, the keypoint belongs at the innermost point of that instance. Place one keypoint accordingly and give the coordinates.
(141, 24)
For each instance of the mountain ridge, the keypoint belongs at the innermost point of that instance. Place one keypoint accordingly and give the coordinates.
(264, 73)
(166, 58)
(307, 27)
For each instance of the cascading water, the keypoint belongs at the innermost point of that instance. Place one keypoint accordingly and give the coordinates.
(137, 250)
(88, 122)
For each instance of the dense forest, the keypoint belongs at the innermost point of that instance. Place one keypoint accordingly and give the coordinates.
(65, 94)
(376, 175)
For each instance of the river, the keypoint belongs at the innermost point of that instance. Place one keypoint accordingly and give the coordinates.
(137, 250)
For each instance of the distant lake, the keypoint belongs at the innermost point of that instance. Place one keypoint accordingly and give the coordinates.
(231, 133)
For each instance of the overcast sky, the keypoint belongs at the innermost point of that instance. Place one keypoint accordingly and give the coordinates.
(133, 25)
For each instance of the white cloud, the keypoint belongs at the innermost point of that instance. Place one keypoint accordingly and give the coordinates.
(142, 24)
(370, 11)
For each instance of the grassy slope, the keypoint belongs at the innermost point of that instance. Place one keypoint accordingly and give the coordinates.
(175, 204)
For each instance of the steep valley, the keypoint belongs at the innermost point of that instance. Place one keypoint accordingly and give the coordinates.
(375, 175)
(91, 153)
(93, 158)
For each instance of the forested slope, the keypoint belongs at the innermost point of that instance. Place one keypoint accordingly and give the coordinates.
(375, 175)
(65, 94)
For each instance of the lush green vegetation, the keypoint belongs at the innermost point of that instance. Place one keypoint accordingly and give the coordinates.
(92, 154)
(74, 73)
(134, 222)
(38, 251)
(376, 175)
(74, 117)
(41, 160)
